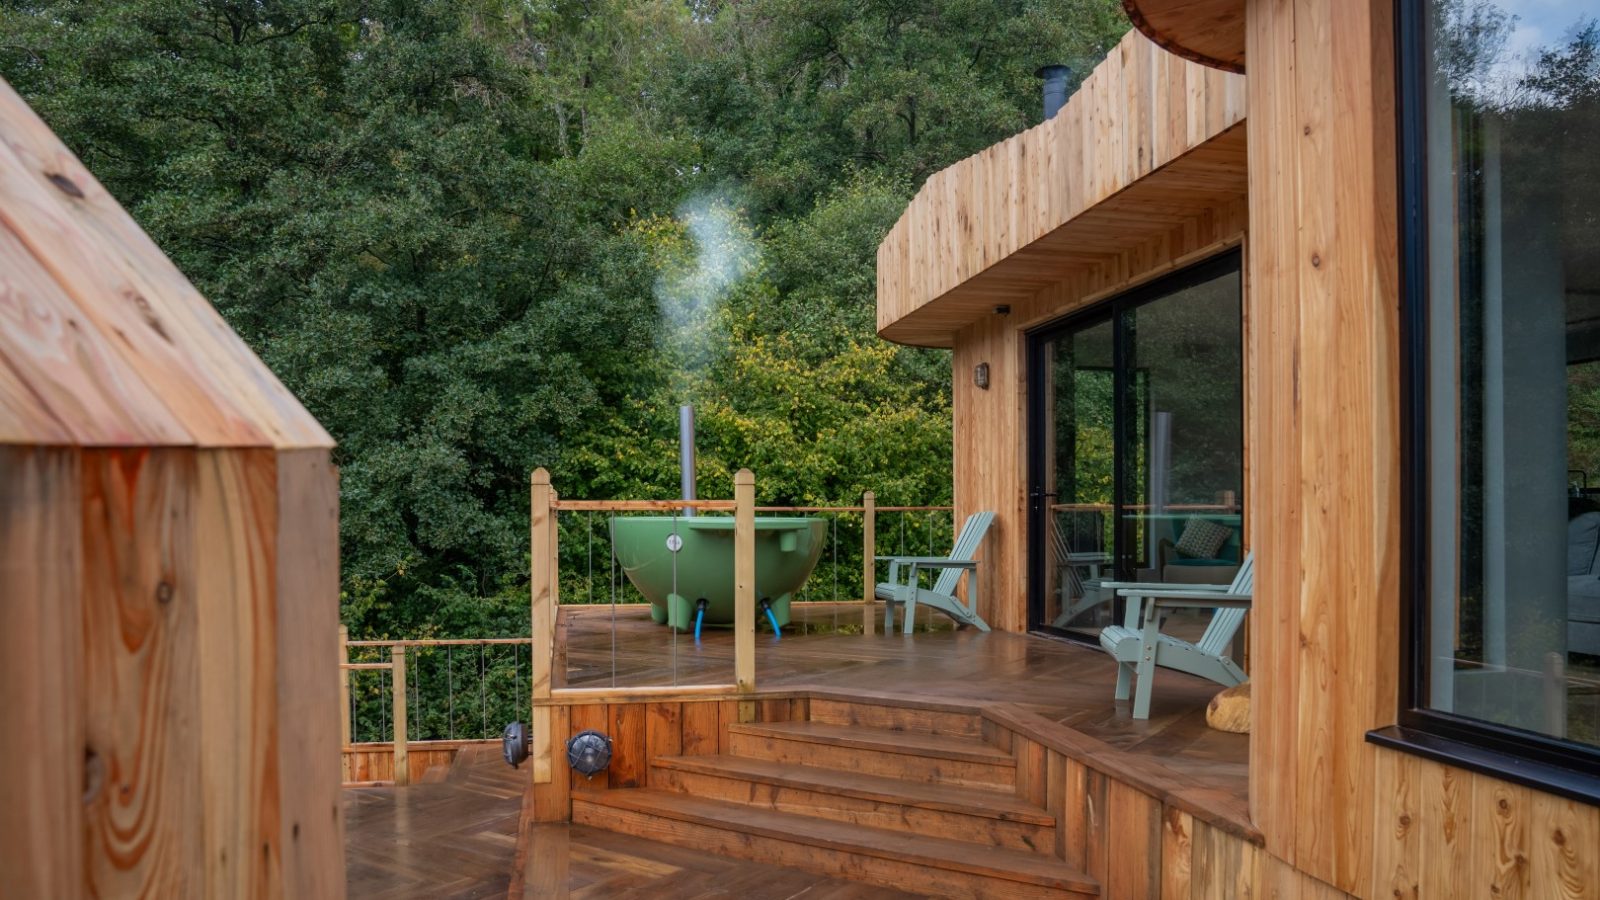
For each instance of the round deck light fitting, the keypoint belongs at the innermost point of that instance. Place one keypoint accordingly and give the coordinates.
(514, 744)
(589, 752)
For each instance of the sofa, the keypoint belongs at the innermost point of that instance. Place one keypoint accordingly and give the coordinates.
(1583, 583)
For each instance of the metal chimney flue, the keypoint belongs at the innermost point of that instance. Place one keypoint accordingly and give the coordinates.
(686, 453)
(1055, 88)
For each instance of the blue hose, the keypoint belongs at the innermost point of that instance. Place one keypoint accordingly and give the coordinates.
(773, 618)
(699, 615)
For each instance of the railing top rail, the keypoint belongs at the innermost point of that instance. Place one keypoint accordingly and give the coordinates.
(845, 509)
(640, 505)
(442, 642)
(717, 506)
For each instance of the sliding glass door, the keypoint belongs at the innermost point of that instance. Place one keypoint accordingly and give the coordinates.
(1136, 428)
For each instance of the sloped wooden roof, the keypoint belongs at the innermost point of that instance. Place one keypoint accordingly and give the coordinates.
(103, 342)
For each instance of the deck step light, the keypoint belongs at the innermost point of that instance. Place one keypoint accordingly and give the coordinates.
(589, 752)
(514, 744)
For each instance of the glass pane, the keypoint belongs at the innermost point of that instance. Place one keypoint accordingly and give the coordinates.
(1144, 449)
(1513, 188)
(1182, 462)
(1080, 475)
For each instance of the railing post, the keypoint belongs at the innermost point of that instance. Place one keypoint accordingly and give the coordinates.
(397, 671)
(542, 578)
(744, 588)
(869, 565)
(344, 687)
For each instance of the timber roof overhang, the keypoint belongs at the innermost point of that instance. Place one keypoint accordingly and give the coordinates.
(1149, 143)
(1209, 32)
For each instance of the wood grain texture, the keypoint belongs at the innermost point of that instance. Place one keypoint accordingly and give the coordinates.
(1208, 32)
(69, 365)
(307, 601)
(42, 814)
(1322, 370)
(144, 740)
(1124, 162)
(235, 526)
(127, 290)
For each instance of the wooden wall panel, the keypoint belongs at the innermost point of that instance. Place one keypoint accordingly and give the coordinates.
(141, 682)
(1439, 831)
(236, 525)
(307, 602)
(1272, 424)
(1323, 308)
(41, 672)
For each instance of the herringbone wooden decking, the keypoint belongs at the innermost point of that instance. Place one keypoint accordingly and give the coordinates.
(455, 839)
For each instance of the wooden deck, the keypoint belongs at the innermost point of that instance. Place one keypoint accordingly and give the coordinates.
(1069, 684)
(456, 840)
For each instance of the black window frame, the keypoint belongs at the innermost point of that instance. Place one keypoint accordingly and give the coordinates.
(1566, 768)
(1110, 309)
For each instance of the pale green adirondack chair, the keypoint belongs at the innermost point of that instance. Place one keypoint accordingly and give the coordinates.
(942, 596)
(1139, 646)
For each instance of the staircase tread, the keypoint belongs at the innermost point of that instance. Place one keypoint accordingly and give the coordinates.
(914, 743)
(975, 801)
(932, 852)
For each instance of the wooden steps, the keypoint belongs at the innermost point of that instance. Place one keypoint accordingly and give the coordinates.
(913, 798)
(908, 755)
(996, 818)
(937, 866)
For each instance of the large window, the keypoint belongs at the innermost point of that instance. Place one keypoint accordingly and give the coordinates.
(1500, 151)
(1136, 423)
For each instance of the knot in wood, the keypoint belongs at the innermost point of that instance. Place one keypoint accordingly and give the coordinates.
(65, 185)
(164, 592)
(94, 775)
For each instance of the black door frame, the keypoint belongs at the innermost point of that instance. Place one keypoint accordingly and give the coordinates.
(1228, 261)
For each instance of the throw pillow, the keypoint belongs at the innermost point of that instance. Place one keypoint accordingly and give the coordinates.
(1202, 539)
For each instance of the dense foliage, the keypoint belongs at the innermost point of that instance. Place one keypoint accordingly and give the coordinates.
(474, 237)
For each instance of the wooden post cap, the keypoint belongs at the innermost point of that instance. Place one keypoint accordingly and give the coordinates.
(744, 476)
(541, 476)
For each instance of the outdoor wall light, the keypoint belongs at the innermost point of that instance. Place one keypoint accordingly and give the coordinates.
(980, 376)
(589, 752)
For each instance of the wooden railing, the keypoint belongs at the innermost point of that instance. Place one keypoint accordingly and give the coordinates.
(396, 667)
(546, 504)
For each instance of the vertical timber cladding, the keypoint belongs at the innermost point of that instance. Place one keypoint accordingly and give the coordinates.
(1323, 361)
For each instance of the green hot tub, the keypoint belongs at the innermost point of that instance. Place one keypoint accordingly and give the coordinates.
(787, 549)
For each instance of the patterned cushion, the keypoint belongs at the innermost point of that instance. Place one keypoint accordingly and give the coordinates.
(1202, 538)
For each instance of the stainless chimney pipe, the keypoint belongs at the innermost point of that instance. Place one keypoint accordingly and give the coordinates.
(1055, 88)
(686, 452)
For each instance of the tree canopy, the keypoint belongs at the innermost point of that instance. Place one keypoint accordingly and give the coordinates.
(474, 236)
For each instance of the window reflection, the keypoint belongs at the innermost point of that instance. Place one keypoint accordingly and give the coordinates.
(1513, 206)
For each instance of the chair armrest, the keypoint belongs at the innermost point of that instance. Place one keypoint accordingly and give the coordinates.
(1158, 587)
(934, 563)
(1190, 599)
(927, 560)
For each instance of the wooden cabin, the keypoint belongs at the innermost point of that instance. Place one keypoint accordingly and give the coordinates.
(1296, 271)
(1304, 284)
(168, 570)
